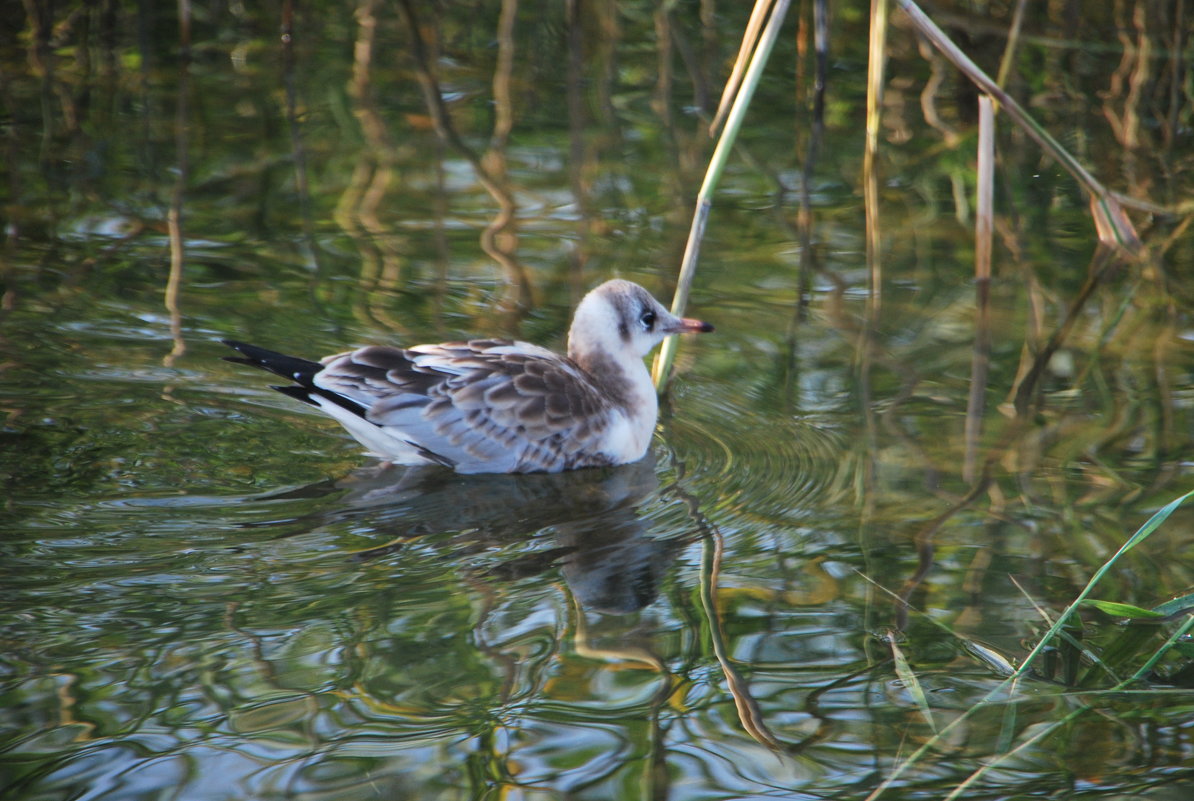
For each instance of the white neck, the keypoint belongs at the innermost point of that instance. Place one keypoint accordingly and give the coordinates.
(603, 346)
(625, 380)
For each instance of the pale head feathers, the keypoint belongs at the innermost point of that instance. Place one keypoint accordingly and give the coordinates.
(621, 319)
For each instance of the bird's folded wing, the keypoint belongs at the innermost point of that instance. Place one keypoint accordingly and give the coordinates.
(477, 402)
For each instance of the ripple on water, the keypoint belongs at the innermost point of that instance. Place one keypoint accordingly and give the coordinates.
(774, 464)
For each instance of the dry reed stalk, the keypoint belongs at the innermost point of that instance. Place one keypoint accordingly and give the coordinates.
(1111, 222)
(717, 163)
(876, 69)
(749, 38)
(983, 230)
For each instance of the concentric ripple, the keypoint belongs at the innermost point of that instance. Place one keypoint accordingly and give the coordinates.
(774, 463)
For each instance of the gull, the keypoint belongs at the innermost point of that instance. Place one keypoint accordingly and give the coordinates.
(498, 405)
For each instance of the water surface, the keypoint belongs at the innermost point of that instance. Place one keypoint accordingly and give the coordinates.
(208, 591)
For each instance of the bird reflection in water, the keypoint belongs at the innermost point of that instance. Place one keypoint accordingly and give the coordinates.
(601, 543)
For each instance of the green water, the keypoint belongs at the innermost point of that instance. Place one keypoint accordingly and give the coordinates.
(207, 591)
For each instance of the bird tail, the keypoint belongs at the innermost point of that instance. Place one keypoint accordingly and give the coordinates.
(301, 371)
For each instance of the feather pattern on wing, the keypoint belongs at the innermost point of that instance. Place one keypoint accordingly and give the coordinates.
(484, 402)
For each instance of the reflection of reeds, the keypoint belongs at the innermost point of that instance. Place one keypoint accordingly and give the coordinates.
(1111, 222)
(500, 237)
(1176, 68)
(298, 149)
(580, 156)
(494, 239)
(373, 174)
(1025, 393)
(804, 219)
(174, 215)
(1047, 640)
(749, 713)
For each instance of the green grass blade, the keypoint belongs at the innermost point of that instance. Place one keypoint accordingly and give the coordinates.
(911, 683)
(1176, 606)
(1117, 609)
(1045, 731)
(1140, 536)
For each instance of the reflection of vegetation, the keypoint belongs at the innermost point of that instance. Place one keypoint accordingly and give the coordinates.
(1111, 664)
(824, 434)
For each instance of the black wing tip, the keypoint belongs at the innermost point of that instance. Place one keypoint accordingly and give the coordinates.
(431, 455)
(255, 351)
(298, 393)
(294, 368)
(243, 348)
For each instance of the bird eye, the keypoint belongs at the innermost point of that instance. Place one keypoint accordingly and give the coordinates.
(648, 320)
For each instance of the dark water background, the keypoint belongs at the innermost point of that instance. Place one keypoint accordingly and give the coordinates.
(206, 591)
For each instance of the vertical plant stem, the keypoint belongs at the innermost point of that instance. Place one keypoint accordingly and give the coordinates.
(876, 68)
(983, 224)
(983, 228)
(667, 353)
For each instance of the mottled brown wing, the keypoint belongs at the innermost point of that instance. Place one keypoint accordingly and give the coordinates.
(492, 405)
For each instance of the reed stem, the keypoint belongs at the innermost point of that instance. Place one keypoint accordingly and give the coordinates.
(721, 154)
(1111, 222)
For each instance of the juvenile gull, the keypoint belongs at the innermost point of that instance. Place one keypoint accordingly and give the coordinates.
(499, 405)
